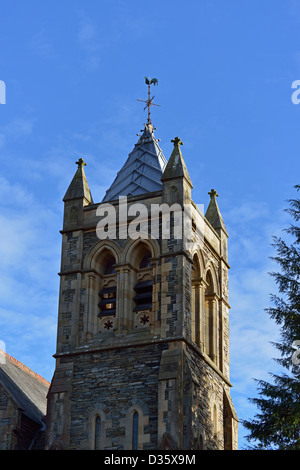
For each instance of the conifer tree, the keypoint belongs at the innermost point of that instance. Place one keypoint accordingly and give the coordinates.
(277, 426)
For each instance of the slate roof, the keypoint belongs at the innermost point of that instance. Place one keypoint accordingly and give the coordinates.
(26, 389)
(142, 171)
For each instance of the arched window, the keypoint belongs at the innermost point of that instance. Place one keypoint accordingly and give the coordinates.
(108, 294)
(109, 267)
(143, 289)
(143, 297)
(97, 440)
(145, 261)
(135, 430)
(107, 263)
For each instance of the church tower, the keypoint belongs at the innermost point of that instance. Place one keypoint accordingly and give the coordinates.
(142, 359)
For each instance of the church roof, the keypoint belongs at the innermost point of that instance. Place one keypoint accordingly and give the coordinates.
(26, 389)
(142, 171)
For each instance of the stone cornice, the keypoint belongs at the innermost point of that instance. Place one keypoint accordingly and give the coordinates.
(122, 343)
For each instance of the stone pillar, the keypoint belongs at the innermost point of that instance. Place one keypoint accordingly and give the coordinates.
(214, 329)
(119, 320)
(123, 298)
(196, 312)
(211, 310)
(90, 322)
(201, 315)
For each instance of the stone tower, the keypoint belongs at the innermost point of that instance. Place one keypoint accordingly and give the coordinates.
(142, 359)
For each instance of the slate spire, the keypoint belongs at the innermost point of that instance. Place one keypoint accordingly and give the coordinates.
(142, 171)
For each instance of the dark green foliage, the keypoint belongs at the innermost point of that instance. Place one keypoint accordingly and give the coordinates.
(277, 426)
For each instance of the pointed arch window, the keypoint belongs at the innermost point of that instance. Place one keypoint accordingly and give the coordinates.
(110, 266)
(145, 261)
(143, 289)
(97, 441)
(108, 301)
(143, 297)
(108, 294)
(135, 430)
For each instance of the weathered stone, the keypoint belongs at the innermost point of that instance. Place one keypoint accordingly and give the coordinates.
(168, 360)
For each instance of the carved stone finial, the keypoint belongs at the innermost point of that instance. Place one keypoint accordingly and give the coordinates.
(81, 163)
(177, 142)
(213, 193)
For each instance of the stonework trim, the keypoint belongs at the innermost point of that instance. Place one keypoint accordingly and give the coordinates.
(98, 410)
(136, 344)
(127, 422)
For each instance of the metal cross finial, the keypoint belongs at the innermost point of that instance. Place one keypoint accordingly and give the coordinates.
(81, 163)
(149, 101)
(213, 193)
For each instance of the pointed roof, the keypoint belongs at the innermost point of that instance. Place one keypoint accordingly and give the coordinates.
(142, 171)
(79, 188)
(213, 214)
(176, 167)
(26, 389)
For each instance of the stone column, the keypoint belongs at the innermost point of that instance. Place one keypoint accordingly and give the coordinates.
(127, 294)
(119, 321)
(195, 324)
(212, 327)
(90, 322)
(201, 315)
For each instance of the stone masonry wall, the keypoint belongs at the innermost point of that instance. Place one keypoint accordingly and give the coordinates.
(9, 421)
(112, 382)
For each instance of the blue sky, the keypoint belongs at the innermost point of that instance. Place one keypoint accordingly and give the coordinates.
(73, 73)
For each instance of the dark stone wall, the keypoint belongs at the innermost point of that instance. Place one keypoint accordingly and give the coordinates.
(113, 381)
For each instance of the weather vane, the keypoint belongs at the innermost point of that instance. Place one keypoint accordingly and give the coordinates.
(149, 101)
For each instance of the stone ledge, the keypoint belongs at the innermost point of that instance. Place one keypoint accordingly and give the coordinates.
(135, 344)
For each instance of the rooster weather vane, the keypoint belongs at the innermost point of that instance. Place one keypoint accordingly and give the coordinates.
(149, 101)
